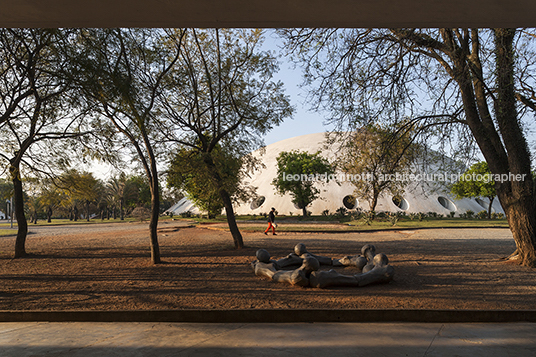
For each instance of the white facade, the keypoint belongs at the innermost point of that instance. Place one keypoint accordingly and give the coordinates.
(416, 199)
(184, 205)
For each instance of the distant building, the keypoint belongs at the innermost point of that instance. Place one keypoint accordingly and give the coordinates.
(430, 196)
(184, 205)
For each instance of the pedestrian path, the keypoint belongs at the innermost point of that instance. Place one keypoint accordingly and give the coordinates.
(266, 339)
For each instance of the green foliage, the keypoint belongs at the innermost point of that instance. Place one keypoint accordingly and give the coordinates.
(81, 186)
(188, 172)
(466, 187)
(377, 153)
(306, 166)
(137, 192)
(186, 214)
(141, 213)
(393, 218)
(482, 215)
(368, 217)
(6, 192)
(221, 94)
(341, 212)
(476, 182)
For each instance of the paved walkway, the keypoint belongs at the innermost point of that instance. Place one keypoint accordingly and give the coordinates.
(249, 339)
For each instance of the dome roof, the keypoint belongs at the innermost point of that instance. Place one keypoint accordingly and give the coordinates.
(417, 198)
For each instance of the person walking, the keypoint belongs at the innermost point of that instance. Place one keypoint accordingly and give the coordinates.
(271, 222)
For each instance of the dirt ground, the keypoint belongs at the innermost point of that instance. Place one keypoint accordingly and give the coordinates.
(109, 269)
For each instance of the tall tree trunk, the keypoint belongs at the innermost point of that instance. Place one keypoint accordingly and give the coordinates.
(505, 150)
(75, 213)
(153, 223)
(490, 204)
(304, 210)
(374, 203)
(228, 204)
(87, 211)
(516, 197)
(121, 210)
(22, 232)
(521, 216)
(49, 214)
(231, 219)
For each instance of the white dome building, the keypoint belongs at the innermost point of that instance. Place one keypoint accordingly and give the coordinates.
(417, 197)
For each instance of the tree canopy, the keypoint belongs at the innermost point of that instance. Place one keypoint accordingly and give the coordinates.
(377, 154)
(221, 94)
(476, 182)
(36, 110)
(454, 85)
(297, 173)
(187, 172)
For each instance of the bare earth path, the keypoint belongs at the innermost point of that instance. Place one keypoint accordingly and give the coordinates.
(106, 267)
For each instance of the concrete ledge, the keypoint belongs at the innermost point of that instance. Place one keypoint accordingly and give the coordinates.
(272, 316)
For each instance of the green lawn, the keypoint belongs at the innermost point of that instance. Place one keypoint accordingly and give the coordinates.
(8, 232)
(289, 223)
(431, 223)
(4, 226)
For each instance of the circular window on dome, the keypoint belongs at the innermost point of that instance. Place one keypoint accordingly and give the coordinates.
(483, 204)
(257, 202)
(350, 202)
(446, 203)
(400, 202)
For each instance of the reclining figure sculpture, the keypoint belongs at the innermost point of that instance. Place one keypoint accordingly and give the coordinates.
(375, 268)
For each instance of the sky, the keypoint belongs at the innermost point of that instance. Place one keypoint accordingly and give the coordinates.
(304, 120)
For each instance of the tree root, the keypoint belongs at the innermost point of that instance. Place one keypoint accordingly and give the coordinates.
(513, 256)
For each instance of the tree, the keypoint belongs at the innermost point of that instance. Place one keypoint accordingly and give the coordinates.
(35, 110)
(476, 182)
(6, 193)
(297, 173)
(116, 190)
(80, 187)
(377, 155)
(480, 84)
(51, 197)
(137, 192)
(35, 207)
(48, 194)
(123, 72)
(221, 94)
(187, 173)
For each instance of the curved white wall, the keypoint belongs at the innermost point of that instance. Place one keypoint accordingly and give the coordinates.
(332, 193)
